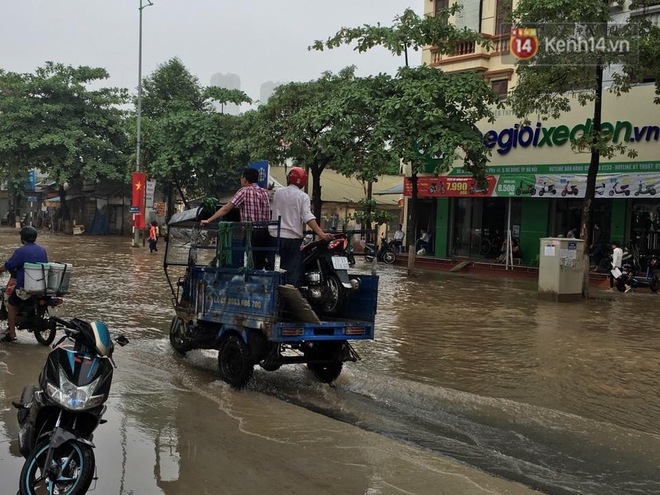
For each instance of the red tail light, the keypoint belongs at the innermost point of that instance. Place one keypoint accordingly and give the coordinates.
(292, 332)
(338, 243)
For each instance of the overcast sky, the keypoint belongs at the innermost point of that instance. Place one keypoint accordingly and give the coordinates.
(260, 40)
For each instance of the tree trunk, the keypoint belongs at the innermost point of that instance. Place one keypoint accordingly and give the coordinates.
(585, 231)
(412, 225)
(64, 209)
(317, 204)
(370, 188)
(170, 203)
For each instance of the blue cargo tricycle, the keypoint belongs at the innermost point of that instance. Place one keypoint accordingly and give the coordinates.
(251, 316)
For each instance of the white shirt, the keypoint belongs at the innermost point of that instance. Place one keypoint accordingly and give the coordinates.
(617, 257)
(293, 206)
(398, 235)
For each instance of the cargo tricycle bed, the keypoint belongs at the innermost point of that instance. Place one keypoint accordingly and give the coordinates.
(251, 316)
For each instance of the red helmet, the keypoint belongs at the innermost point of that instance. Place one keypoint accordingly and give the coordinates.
(297, 176)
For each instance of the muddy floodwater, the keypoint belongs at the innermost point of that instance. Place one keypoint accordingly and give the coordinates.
(472, 385)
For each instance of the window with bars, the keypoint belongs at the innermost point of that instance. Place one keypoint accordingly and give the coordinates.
(500, 87)
(503, 9)
(438, 5)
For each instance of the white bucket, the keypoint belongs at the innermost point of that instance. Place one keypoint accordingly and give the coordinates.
(59, 276)
(36, 276)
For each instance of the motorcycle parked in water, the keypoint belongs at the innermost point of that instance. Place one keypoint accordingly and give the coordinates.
(630, 276)
(325, 281)
(33, 315)
(58, 418)
(385, 254)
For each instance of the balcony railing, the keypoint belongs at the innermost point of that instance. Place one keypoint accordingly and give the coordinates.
(498, 45)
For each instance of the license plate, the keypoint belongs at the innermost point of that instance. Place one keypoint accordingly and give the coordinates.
(340, 262)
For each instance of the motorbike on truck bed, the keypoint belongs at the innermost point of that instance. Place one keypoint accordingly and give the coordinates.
(251, 316)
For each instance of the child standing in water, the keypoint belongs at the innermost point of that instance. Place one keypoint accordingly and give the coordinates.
(153, 237)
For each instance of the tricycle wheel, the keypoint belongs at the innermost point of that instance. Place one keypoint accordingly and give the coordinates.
(45, 333)
(235, 362)
(179, 336)
(326, 373)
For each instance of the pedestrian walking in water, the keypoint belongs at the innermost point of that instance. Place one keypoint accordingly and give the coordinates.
(153, 237)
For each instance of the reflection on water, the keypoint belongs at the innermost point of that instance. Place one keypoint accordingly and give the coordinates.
(561, 397)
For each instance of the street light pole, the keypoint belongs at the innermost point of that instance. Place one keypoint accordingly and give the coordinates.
(136, 232)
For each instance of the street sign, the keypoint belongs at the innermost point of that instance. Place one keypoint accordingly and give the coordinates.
(32, 199)
(134, 209)
(151, 188)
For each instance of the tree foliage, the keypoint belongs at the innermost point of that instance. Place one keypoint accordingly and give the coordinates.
(427, 115)
(307, 123)
(187, 146)
(407, 32)
(53, 121)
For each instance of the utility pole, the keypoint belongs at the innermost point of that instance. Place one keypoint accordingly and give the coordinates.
(136, 232)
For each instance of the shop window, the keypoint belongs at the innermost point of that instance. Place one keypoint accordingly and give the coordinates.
(500, 88)
(645, 226)
(479, 226)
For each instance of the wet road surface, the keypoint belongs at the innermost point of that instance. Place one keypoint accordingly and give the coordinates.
(563, 398)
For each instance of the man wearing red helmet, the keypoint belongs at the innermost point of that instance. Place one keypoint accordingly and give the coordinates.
(292, 207)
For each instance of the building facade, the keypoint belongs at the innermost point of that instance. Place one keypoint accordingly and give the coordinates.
(536, 182)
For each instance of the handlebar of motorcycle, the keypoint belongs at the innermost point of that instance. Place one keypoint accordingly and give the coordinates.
(64, 323)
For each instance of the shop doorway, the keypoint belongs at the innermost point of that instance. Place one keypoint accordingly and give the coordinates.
(567, 214)
(426, 215)
(479, 226)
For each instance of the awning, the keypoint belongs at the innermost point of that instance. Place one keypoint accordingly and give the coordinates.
(392, 190)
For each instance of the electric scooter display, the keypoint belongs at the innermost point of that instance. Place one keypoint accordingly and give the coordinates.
(644, 189)
(525, 189)
(624, 189)
(550, 189)
(570, 190)
(600, 189)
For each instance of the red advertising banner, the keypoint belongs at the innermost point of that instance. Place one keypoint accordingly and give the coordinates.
(139, 187)
(449, 187)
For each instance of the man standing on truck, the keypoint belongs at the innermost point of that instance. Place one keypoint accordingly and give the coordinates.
(254, 205)
(292, 206)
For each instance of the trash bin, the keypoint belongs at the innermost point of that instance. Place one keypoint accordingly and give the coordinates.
(561, 263)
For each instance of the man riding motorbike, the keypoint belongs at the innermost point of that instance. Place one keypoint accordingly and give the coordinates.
(30, 252)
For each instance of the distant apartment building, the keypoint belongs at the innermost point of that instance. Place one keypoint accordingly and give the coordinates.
(267, 90)
(228, 81)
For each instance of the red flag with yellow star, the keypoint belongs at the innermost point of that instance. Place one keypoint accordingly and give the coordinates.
(139, 182)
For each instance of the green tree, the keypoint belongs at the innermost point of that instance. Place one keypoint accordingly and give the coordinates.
(431, 116)
(187, 146)
(548, 85)
(306, 122)
(53, 121)
(369, 156)
(171, 88)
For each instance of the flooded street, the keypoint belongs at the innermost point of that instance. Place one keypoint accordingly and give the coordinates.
(467, 376)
